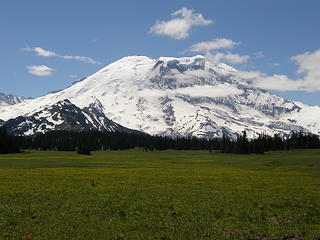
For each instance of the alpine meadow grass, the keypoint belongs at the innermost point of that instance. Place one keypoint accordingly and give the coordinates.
(160, 195)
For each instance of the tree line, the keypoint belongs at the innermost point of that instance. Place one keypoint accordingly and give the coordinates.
(265, 143)
(8, 144)
(85, 142)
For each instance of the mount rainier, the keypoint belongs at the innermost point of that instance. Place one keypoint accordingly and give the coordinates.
(190, 96)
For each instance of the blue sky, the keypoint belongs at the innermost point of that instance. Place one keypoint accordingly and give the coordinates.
(47, 45)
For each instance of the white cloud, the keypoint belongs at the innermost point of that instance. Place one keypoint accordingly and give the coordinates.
(82, 59)
(40, 70)
(218, 90)
(279, 83)
(45, 53)
(308, 64)
(41, 52)
(73, 76)
(229, 57)
(249, 75)
(187, 75)
(180, 26)
(221, 90)
(218, 43)
(274, 82)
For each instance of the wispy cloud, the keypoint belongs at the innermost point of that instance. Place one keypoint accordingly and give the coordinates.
(82, 59)
(249, 75)
(41, 52)
(73, 76)
(219, 90)
(46, 53)
(210, 49)
(94, 40)
(217, 43)
(180, 25)
(230, 58)
(40, 70)
(281, 82)
(308, 65)
(258, 55)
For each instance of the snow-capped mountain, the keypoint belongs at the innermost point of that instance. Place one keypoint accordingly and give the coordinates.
(8, 99)
(190, 96)
(64, 115)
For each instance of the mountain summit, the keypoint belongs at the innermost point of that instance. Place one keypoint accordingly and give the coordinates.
(189, 96)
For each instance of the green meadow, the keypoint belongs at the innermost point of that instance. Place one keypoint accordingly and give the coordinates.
(160, 195)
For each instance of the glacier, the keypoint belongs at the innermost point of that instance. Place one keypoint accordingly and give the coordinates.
(188, 96)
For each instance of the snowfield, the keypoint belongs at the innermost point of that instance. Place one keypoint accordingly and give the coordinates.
(189, 96)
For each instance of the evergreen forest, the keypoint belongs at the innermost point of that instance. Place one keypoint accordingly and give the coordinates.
(85, 142)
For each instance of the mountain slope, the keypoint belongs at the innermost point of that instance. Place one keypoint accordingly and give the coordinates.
(182, 97)
(8, 99)
(64, 116)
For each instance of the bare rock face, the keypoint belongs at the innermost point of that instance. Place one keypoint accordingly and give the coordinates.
(8, 99)
(64, 116)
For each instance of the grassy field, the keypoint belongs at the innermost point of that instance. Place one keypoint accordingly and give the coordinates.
(160, 195)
